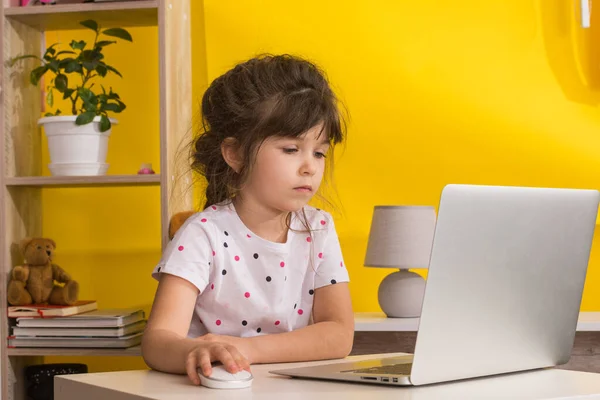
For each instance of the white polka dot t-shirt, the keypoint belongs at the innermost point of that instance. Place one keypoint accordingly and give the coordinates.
(248, 285)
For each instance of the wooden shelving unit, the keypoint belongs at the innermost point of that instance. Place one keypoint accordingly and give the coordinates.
(21, 180)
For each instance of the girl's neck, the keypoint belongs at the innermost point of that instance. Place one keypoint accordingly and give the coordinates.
(268, 223)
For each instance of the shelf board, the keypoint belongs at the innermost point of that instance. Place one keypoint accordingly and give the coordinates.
(84, 181)
(65, 17)
(52, 351)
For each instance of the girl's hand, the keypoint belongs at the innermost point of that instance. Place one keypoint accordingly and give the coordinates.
(208, 351)
(244, 345)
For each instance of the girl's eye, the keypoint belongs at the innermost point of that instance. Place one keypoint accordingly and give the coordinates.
(318, 154)
(289, 150)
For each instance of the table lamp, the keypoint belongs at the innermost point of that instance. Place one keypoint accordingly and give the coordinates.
(401, 237)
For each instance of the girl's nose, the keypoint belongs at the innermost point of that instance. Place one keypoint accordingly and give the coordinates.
(309, 166)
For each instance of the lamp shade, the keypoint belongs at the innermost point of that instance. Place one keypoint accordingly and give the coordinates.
(401, 237)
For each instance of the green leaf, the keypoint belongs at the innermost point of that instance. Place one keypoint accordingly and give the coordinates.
(67, 93)
(12, 61)
(64, 52)
(50, 51)
(90, 23)
(85, 94)
(103, 43)
(61, 82)
(91, 55)
(111, 69)
(53, 66)
(101, 70)
(113, 95)
(58, 112)
(49, 114)
(73, 66)
(90, 65)
(104, 123)
(77, 45)
(37, 73)
(50, 98)
(85, 118)
(118, 32)
(112, 107)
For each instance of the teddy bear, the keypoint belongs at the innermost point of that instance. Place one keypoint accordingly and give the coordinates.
(38, 281)
(177, 220)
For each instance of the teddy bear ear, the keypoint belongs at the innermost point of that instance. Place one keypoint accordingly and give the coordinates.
(52, 242)
(24, 243)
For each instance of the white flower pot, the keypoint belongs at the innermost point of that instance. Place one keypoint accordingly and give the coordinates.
(76, 150)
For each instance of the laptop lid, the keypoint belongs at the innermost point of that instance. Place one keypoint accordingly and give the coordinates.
(505, 281)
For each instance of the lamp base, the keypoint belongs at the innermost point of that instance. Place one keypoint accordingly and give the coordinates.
(401, 294)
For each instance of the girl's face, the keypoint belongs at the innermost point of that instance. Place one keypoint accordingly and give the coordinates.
(288, 171)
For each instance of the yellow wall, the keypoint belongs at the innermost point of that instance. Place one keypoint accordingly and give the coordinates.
(439, 92)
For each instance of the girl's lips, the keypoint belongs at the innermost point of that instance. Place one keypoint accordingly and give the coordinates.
(304, 189)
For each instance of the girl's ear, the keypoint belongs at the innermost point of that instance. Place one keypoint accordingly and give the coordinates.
(230, 150)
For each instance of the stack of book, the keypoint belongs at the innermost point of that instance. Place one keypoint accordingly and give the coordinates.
(82, 325)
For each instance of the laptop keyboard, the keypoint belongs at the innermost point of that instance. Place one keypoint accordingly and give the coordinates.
(393, 369)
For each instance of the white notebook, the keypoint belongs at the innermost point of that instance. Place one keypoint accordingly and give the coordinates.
(78, 342)
(102, 318)
(74, 332)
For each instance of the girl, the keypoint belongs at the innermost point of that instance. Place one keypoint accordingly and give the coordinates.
(258, 276)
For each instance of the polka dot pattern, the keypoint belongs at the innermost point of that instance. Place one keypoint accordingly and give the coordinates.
(253, 272)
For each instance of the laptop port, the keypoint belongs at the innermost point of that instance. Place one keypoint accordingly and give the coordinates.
(385, 379)
(369, 378)
(395, 380)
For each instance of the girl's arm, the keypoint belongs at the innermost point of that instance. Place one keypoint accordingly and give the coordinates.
(331, 335)
(165, 346)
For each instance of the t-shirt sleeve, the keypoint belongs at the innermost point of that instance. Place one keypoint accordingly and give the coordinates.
(188, 255)
(331, 268)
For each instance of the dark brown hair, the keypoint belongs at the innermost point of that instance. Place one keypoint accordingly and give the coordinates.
(269, 95)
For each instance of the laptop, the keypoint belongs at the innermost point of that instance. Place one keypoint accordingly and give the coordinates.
(503, 291)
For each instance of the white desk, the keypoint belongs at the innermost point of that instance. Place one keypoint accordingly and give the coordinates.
(138, 385)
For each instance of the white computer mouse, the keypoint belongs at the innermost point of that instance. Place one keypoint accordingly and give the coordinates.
(221, 379)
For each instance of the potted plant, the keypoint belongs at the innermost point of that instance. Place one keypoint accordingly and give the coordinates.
(78, 142)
